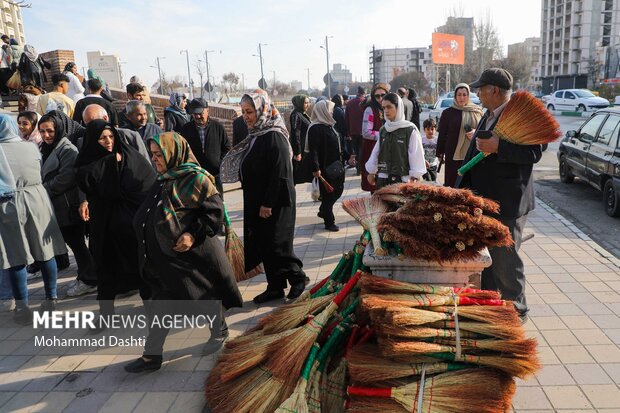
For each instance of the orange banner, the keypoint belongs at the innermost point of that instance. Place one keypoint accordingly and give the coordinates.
(448, 49)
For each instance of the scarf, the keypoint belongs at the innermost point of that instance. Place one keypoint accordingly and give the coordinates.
(8, 133)
(59, 133)
(185, 183)
(35, 136)
(471, 114)
(72, 129)
(298, 103)
(31, 53)
(91, 150)
(322, 114)
(93, 75)
(399, 121)
(175, 100)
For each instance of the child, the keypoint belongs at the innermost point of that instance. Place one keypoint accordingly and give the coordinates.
(429, 143)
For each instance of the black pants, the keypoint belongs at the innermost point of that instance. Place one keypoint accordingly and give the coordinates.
(5, 75)
(328, 199)
(74, 238)
(356, 143)
(392, 179)
(506, 273)
(431, 174)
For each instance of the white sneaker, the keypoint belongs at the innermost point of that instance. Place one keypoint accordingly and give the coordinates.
(79, 288)
(34, 276)
(7, 305)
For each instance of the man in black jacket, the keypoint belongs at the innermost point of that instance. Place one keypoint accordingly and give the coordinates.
(95, 88)
(207, 138)
(505, 176)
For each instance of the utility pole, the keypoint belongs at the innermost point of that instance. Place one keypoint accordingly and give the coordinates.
(329, 78)
(274, 80)
(161, 83)
(260, 55)
(208, 78)
(308, 70)
(189, 75)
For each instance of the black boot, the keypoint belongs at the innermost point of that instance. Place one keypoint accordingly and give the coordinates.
(140, 365)
(268, 295)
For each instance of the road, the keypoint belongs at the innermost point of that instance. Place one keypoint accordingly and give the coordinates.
(578, 202)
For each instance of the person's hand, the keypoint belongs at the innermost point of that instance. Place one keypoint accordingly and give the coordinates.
(440, 157)
(316, 174)
(184, 243)
(160, 123)
(428, 165)
(264, 212)
(352, 160)
(119, 157)
(372, 179)
(298, 158)
(489, 145)
(469, 134)
(83, 211)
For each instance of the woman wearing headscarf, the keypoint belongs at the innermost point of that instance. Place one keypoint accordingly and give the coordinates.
(76, 89)
(398, 155)
(181, 257)
(456, 128)
(175, 115)
(27, 123)
(372, 121)
(326, 154)
(31, 68)
(266, 174)
(28, 227)
(341, 126)
(105, 93)
(415, 114)
(299, 128)
(58, 176)
(116, 179)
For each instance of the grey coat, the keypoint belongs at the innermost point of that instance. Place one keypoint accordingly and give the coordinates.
(408, 108)
(28, 227)
(58, 176)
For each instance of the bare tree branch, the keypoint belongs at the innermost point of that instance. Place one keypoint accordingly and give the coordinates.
(20, 4)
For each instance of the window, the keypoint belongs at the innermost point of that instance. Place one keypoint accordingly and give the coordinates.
(558, 95)
(446, 103)
(588, 131)
(584, 93)
(568, 95)
(609, 131)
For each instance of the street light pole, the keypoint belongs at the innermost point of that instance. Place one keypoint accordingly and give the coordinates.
(260, 56)
(308, 70)
(189, 75)
(329, 78)
(274, 80)
(161, 83)
(207, 63)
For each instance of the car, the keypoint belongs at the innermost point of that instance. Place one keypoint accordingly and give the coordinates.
(445, 102)
(592, 154)
(581, 100)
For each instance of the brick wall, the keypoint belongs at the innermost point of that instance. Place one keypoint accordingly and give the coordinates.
(58, 59)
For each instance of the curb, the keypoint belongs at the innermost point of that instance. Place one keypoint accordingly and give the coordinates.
(593, 244)
(572, 113)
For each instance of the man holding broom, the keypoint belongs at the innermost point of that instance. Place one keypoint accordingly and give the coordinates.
(505, 175)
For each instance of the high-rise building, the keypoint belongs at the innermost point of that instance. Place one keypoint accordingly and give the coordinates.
(106, 66)
(11, 21)
(580, 40)
(530, 50)
(341, 74)
(389, 63)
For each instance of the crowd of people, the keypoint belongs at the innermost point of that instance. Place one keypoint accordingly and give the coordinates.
(147, 192)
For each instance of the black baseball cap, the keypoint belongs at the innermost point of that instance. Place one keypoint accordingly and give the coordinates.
(495, 76)
(197, 105)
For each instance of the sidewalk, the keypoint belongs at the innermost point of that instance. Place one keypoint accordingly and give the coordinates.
(573, 291)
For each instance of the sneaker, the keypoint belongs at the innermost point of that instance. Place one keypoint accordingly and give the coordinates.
(33, 268)
(215, 344)
(7, 305)
(48, 305)
(34, 276)
(79, 288)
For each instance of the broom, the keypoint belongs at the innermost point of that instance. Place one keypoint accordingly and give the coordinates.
(235, 253)
(367, 211)
(374, 284)
(297, 403)
(416, 316)
(524, 121)
(326, 185)
(370, 301)
(473, 391)
(517, 348)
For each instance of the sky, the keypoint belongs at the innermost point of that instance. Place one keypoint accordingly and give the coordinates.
(139, 30)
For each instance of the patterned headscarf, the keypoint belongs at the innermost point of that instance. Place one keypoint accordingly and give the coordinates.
(268, 118)
(186, 184)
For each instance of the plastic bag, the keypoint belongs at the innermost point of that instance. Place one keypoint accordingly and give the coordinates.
(15, 81)
(315, 191)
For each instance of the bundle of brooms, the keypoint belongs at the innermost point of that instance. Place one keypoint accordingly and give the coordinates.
(235, 253)
(524, 121)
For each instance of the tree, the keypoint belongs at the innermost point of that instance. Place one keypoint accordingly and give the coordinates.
(415, 80)
(201, 70)
(230, 82)
(519, 64)
(488, 48)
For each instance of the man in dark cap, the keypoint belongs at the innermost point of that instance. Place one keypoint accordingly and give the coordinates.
(505, 176)
(354, 113)
(207, 138)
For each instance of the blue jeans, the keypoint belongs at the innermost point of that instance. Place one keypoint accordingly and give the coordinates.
(19, 281)
(6, 293)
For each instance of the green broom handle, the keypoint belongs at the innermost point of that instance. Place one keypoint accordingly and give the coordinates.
(310, 361)
(472, 162)
(226, 217)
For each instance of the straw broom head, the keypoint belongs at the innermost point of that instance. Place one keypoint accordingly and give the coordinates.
(526, 121)
(293, 314)
(387, 330)
(506, 315)
(367, 212)
(373, 404)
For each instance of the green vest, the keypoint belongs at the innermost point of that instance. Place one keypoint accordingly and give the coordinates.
(394, 151)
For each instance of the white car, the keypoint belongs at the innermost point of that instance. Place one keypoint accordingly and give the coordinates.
(446, 102)
(581, 100)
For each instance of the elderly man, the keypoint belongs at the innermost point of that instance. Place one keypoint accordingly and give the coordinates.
(137, 120)
(136, 91)
(404, 93)
(207, 138)
(95, 87)
(505, 176)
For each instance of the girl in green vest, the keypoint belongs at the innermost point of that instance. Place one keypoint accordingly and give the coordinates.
(398, 155)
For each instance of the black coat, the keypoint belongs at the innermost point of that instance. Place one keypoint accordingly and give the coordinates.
(89, 100)
(174, 120)
(240, 130)
(267, 180)
(505, 176)
(115, 191)
(32, 73)
(203, 272)
(302, 170)
(216, 145)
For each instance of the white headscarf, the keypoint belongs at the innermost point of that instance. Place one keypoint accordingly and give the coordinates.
(398, 122)
(323, 113)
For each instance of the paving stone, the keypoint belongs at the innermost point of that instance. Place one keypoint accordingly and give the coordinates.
(53, 402)
(22, 402)
(530, 398)
(189, 402)
(589, 373)
(155, 402)
(554, 375)
(566, 397)
(572, 354)
(122, 402)
(559, 338)
(603, 396)
(592, 336)
(605, 353)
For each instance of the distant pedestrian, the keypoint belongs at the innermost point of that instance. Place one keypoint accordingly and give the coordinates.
(105, 93)
(300, 121)
(95, 89)
(371, 124)
(398, 155)
(403, 93)
(76, 89)
(429, 143)
(341, 126)
(456, 128)
(354, 113)
(175, 115)
(57, 99)
(31, 68)
(6, 56)
(416, 108)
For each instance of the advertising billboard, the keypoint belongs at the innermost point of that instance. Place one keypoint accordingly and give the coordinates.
(448, 49)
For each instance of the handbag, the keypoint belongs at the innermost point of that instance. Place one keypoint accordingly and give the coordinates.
(15, 81)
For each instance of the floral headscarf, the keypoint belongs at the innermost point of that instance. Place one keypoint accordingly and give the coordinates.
(268, 117)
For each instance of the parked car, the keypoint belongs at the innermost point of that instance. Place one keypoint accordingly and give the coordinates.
(576, 99)
(592, 153)
(445, 102)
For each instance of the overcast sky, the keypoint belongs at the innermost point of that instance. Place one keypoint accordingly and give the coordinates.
(138, 31)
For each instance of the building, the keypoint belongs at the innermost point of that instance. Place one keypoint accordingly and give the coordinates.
(579, 43)
(341, 74)
(11, 22)
(296, 85)
(463, 26)
(421, 60)
(108, 67)
(530, 49)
